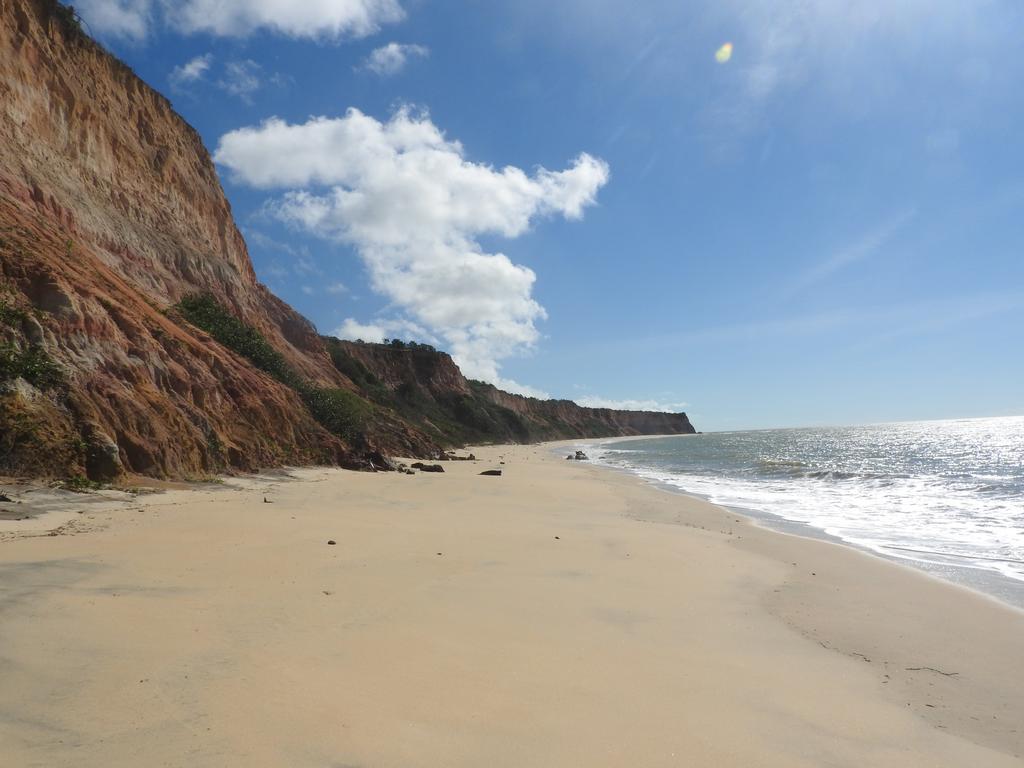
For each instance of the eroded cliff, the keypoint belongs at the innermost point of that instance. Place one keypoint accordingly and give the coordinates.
(428, 390)
(110, 212)
(114, 229)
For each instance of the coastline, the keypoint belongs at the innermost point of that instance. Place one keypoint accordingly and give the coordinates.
(985, 583)
(558, 615)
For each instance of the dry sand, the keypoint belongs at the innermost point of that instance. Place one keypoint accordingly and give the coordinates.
(560, 615)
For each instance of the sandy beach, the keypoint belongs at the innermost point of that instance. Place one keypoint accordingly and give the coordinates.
(559, 615)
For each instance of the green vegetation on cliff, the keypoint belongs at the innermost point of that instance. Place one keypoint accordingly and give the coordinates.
(338, 411)
(31, 364)
(452, 418)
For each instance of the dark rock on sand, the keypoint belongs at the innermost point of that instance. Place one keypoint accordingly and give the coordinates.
(427, 467)
(491, 473)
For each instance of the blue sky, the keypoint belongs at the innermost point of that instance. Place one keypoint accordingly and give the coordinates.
(582, 201)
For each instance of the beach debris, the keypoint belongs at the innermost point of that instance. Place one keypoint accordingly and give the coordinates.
(445, 456)
(331, 542)
(491, 473)
(378, 462)
(328, 592)
(932, 669)
(440, 554)
(267, 501)
(558, 537)
(427, 467)
(5, 498)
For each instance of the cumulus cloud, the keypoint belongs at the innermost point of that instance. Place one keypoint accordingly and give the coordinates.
(414, 207)
(318, 19)
(117, 18)
(191, 71)
(592, 401)
(391, 59)
(330, 19)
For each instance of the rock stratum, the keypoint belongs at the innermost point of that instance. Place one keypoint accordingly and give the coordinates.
(134, 333)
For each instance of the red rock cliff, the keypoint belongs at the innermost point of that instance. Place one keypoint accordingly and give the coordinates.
(111, 213)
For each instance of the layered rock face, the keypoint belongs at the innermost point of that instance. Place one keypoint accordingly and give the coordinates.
(111, 213)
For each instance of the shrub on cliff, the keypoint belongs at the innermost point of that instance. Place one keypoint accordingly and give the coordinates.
(204, 311)
(68, 19)
(339, 411)
(31, 364)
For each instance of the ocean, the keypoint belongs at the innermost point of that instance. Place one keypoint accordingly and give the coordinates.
(946, 496)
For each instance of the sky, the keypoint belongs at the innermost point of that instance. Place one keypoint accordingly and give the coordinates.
(765, 214)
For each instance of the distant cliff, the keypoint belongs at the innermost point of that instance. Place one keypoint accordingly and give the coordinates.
(429, 390)
(134, 334)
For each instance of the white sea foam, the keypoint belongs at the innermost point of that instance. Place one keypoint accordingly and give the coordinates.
(942, 493)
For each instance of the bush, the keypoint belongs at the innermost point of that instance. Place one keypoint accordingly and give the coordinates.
(31, 364)
(81, 484)
(10, 314)
(339, 411)
(205, 312)
(69, 20)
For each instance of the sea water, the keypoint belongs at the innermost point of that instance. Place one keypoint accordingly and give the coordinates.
(947, 496)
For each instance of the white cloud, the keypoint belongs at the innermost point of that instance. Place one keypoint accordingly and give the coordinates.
(391, 59)
(117, 18)
(592, 401)
(326, 19)
(353, 330)
(191, 71)
(413, 206)
(336, 289)
(241, 78)
(376, 332)
(520, 389)
(318, 19)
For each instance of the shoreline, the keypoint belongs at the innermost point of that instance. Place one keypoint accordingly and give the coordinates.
(988, 584)
(558, 615)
